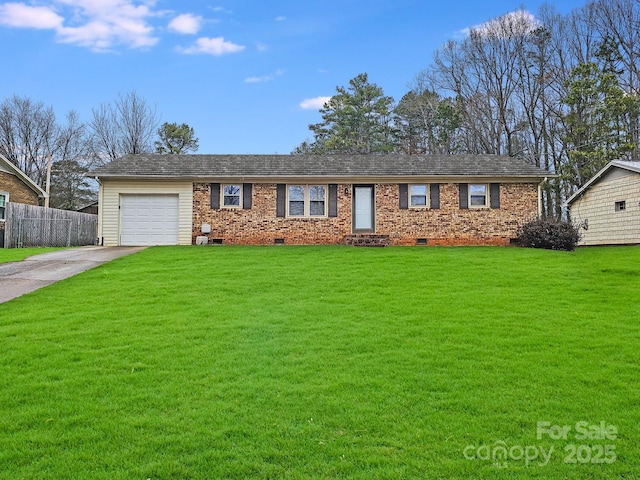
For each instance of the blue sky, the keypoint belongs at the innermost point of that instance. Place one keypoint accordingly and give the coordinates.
(247, 75)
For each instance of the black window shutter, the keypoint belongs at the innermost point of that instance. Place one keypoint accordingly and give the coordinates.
(246, 196)
(215, 196)
(464, 195)
(333, 200)
(403, 194)
(494, 193)
(281, 198)
(434, 200)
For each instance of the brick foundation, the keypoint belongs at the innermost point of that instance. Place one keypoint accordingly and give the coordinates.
(448, 225)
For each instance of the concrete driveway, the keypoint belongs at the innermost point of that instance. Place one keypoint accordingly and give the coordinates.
(18, 278)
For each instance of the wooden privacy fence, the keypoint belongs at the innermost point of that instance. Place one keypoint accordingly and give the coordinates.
(31, 226)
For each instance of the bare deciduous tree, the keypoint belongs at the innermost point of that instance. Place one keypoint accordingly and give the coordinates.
(126, 126)
(511, 78)
(27, 135)
(72, 140)
(30, 137)
(70, 187)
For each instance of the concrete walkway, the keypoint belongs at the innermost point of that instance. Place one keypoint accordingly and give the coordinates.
(18, 278)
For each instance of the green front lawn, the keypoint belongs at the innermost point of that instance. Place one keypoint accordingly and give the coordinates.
(327, 362)
(18, 254)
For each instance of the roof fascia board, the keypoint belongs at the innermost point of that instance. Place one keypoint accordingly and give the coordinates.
(597, 177)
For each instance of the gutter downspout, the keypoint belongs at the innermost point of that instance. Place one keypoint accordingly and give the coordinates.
(48, 185)
(540, 197)
(99, 238)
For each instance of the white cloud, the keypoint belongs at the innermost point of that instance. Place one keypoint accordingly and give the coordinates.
(103, 25)
(280, 19)
(314, 103)
(102, 36)
(264, 78)
(212, 46)
(25, 16)
(221, 10)
(518, 22)
(186, 23)
(96, 24)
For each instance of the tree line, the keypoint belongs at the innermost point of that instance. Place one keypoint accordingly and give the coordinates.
(559, 91)
(32, 138)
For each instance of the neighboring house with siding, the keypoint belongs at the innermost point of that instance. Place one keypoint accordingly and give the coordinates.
(316, 199)
(16, 187)
(607, 207)
(91, 208)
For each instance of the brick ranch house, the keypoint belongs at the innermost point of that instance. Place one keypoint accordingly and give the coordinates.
(16, 187)
(316, 199)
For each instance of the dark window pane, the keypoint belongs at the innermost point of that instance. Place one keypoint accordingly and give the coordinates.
(478, 201)
(231, 201)
(418, 200)
(316, 208)
(296, 208)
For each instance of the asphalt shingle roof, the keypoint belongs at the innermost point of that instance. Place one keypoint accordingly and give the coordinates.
(273, 166)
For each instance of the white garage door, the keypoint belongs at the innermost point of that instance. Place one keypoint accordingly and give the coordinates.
(148, 220)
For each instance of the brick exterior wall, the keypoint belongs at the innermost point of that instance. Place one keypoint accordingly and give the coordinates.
(448, 225)
(18, 191)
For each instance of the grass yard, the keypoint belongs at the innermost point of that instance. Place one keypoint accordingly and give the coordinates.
(327, 362)
(18, 254)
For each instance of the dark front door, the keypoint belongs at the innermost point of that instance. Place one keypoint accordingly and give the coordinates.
(364, 220)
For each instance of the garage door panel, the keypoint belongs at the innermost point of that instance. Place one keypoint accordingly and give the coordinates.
(148, 220)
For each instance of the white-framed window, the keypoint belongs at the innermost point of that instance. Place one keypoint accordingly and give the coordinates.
(621, 206)
(307, 200)
(419, 196)
(4, 199)
(231, 196)
(478, 195)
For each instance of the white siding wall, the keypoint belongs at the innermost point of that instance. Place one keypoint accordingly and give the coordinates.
(597, 207)
(109, 212)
